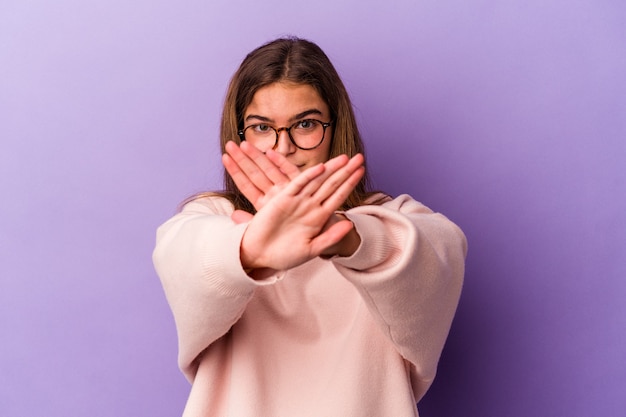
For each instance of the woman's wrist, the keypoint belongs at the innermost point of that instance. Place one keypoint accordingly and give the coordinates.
(346, 246)
(349, 244)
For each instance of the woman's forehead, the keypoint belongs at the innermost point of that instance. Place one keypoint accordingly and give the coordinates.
(286, 100)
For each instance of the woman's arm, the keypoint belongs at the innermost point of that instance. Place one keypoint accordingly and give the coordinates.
(197, 259)
(207, 254)
(409, 270)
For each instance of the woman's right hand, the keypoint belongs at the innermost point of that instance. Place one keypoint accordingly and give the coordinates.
(289, 227)
(256, 176)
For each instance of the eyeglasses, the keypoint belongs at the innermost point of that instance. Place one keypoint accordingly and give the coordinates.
(306, 134)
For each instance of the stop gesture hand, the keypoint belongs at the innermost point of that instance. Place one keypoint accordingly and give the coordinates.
(295, 219)
(256, 176)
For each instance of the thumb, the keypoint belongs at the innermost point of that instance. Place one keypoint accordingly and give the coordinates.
(240, 216)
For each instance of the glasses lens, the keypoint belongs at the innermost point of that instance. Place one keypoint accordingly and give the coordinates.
(307, 133)
(263, 137)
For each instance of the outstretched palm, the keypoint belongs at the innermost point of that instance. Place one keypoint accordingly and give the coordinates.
(294, 208)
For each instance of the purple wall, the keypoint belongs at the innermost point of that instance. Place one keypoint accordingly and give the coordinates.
(509, 117)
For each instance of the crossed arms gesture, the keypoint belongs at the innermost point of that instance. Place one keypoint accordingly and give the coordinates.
(295, 220)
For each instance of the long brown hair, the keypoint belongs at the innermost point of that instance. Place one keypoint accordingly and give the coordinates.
(298, 61)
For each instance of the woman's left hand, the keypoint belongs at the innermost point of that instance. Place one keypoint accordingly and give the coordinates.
(257, 176)
(260, 177)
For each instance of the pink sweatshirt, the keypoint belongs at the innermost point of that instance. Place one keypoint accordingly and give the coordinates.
(356, 336)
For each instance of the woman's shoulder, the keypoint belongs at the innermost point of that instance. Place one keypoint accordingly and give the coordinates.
(382, 199)
(208, 203)
(400, 203)
(376, 198)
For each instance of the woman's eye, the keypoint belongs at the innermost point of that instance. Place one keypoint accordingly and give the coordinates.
(261, 128)
(305, 124)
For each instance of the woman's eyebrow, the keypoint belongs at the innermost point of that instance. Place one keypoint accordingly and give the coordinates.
(261, 118)
(306, 113)
(296, 117)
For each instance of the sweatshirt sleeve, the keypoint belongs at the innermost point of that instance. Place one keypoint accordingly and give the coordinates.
(409, 270)
(197, 259)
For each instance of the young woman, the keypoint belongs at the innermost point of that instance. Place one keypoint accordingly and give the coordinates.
(296, 292)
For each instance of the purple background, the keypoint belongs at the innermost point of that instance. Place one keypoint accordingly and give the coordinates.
(509, 117)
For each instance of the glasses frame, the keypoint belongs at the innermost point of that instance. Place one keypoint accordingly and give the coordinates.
(242, 132)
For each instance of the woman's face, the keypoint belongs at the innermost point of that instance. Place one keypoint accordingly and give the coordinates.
(282, 105)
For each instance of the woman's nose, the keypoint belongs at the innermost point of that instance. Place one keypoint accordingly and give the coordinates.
(284, 145)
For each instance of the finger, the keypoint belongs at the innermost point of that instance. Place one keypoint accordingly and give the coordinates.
(271, 170)
(240, 216)
(337, 162)
(331, 167)
(337, 198)
(250, 169)
(334, 181)
(241, 180)
(338, 170)
(303, 179)
(330, 236)
(289, 169)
